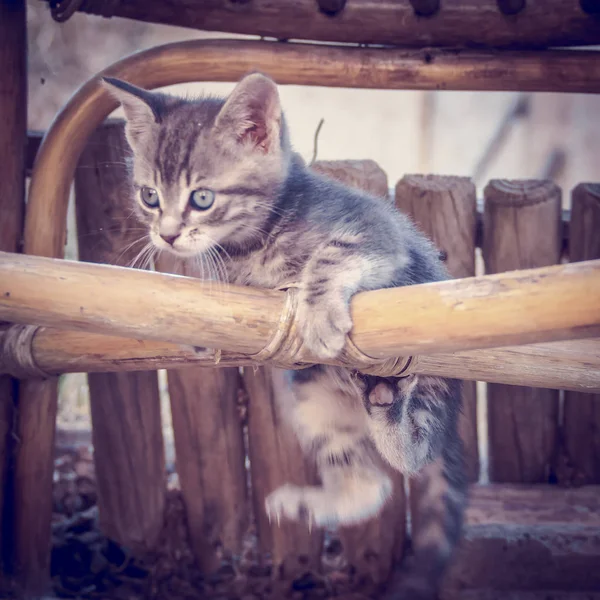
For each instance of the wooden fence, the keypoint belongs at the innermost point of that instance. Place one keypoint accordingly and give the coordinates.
(222, 417)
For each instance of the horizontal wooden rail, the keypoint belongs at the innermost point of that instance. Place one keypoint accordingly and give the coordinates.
(573, 365)
(522, 307)
(397, 22)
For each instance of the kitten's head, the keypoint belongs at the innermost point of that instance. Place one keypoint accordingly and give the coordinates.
(206, 171)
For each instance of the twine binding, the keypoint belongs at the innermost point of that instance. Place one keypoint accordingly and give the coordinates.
(286, 349)
(16, 349)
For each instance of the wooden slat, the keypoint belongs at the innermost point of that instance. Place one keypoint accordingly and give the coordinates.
(581, 459)
(506, 309)
(365, 175)
(25, 528)
(13, 120)
(210, 455)
(445, 209)
(125, 407)
(522, 230)
(276, 458)
(457, 23)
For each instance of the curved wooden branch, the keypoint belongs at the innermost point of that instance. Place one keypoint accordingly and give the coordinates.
(539, 305)
(305, 64)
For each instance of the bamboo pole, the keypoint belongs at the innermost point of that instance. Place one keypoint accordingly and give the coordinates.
(571, 365)
(581, 452)
(521, 307)
(445, 209)
(418, 23)
(131, 493)
(522, 230)
(13, 123)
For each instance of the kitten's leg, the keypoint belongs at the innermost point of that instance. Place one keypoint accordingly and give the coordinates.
(331, 277)
(330, 422)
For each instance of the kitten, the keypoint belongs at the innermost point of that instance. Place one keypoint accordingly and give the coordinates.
(218, 178)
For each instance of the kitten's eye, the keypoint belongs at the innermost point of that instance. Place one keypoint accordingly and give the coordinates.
(149, 197)
(202, 199)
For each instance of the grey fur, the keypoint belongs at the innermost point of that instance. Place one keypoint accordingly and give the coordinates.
(276, 222)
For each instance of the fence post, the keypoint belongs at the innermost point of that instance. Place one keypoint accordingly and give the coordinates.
(210, 453)
(522, 230)
(13, 137)
(126, 423)
(30, 510)
(275, 459)
(581, 458)
(366, 175)
(445, 208)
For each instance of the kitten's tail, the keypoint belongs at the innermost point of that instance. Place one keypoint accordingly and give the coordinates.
(438, 500)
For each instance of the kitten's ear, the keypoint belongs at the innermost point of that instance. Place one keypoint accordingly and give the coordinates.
(142, 108)
(252, 113)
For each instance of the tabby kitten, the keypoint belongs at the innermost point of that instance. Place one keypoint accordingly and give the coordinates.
(218, 178)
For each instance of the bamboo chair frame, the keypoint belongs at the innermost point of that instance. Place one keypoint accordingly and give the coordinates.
(507, 321)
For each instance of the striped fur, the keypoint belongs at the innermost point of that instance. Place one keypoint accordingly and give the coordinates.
(273, 222)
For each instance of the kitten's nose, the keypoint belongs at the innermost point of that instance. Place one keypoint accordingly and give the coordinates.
(170, 239)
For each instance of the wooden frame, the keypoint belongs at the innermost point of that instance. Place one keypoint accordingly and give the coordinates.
(507, 307)
(418, 23)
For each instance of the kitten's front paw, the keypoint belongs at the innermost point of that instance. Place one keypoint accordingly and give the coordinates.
(324, 326)
(288, 502)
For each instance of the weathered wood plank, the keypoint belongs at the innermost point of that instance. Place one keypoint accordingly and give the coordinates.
(25, 542)
(581, 459)
(276, 458)
(365, 175)
(125, 407)
(521, 230)
(210, 453)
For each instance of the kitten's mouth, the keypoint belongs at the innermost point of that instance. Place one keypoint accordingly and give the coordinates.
(200, 245)
(181, 253)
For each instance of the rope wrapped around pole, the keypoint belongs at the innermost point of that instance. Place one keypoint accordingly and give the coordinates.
(523, 307)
